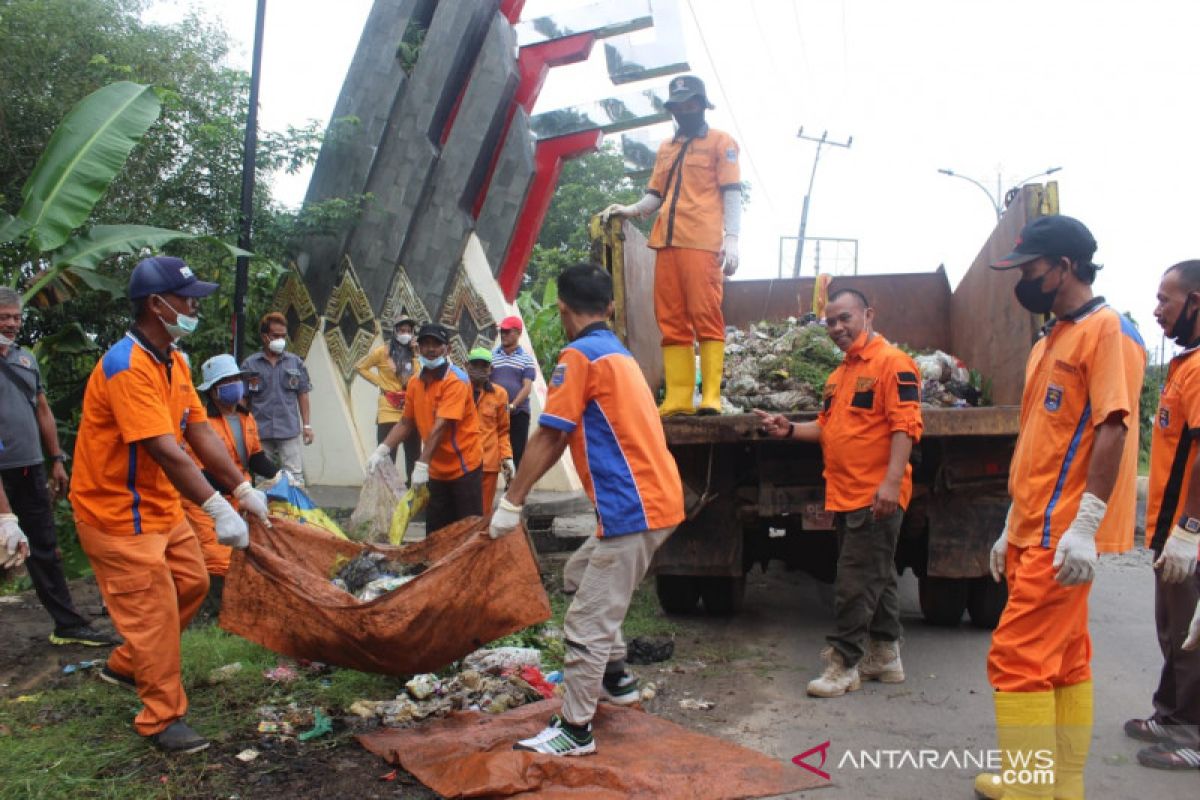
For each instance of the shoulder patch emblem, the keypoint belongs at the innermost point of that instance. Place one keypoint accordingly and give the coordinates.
(559, 375)
(731, 154)
(1164, 418)
(25, 361)
(1054, 397)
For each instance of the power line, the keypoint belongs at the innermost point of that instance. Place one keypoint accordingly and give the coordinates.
(803, 49)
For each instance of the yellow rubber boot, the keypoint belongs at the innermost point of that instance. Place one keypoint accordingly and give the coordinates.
(679, 375)
(1025, 735)
(712, 366)
(1073, 719)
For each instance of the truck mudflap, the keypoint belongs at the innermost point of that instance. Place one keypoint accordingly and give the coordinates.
(962, 529)
(709, 541)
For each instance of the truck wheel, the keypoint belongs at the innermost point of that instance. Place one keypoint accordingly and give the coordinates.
(943, 600)
(677, 594)
(723, 595)
(985, 601)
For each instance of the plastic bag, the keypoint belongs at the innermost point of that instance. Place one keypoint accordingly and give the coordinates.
(408, 507)
(286, 499)
(381, 491)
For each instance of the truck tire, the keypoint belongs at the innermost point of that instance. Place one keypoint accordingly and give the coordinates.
(943, 600)
(723, 595)
(677, 594)
(985, 601)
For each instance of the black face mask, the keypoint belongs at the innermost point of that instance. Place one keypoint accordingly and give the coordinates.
(690, 122)
(1032, 297)
(1185, 324)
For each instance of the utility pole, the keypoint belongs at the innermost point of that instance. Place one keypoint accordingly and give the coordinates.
(242, 275)
(999, 200)
(821, 142)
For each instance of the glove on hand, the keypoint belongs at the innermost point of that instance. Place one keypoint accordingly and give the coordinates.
(999, 554)
(420, 475)
(1075, 557)
(252, 501)
(15, 544)
(1193, 638)
(231, 528)
(1178, 559)
(382, 453)
(509, 468)
(506, 518)
(729, 254)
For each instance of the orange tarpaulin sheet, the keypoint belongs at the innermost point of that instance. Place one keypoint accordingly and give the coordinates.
(278, 593)
(469, 754)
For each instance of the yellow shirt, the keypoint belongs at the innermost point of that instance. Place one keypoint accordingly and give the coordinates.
(377, 368)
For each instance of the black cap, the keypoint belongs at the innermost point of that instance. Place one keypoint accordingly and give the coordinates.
(436, 330)
(684, 88)
(1050, 236)
(166, 275)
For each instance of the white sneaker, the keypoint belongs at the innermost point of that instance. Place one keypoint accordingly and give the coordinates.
(837, 679)
(620, 689)
(882, 663)
(557, 740)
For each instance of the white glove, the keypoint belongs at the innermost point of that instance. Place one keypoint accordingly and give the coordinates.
(1076, 552)
(231, 528)
(16, 545)
(618, 210)
(505, 519)
(381, 454)
(509, 468)
(729, 254)
(420, 475)
(999, 552)
(1178, 559)
(1193, 638)
(252, 501)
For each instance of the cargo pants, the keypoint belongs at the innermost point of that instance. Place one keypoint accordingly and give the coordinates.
(1177, 699)
(865, 595)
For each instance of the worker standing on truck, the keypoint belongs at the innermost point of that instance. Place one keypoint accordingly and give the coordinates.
(1173, 530)
(870, 419)
(139, 408)
(1073, 487)
(697, 183)
(598, 403)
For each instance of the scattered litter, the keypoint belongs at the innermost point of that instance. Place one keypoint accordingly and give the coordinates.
(247, 755)
(494, 690)
(11, 599)
(223, 674)
(370, 575)
(489, 658)
(422, 686)
(70, 669)
(284, 721)
(281, 674)
(692, 704)
(409, 505)
(280, 728)
(27, 698)
(390, 776)
(555, 677)
(533, 676)
(649, 692)
(650, 649)
(322, 725)
(363, 708)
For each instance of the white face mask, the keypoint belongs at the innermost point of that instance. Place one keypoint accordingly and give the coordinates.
(6, 342)
(277, 346)
(404, 339)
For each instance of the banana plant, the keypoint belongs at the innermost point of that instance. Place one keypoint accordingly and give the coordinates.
(85, 153)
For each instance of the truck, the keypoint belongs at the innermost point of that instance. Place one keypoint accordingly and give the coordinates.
(751, 500)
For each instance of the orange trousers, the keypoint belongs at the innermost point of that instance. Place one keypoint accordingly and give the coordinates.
(1042, 640)
(688, 288)
(489, 491)
(216, 555)
(153, 584)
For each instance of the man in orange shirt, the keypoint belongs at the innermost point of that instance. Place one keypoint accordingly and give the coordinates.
(139, 408)
(438, 404)
(697, 183)
(1173, 531)
(1073, 486)
(870, 421)
(491, 402)
(598, 403)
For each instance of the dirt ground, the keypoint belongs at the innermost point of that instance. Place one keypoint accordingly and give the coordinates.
(752, 668)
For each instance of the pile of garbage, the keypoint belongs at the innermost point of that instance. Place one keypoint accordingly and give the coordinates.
(370, 575)
(783, 367)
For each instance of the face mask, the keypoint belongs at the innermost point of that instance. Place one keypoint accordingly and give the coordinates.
(1032, 297)
(432, 363)
(182, 326)
(1181, 331)
(404, 339)
(689, 122)
(6, 342)
(277, 346)
(231, 393)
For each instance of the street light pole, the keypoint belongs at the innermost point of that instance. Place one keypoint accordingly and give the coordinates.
(997, 199)
(242, 277)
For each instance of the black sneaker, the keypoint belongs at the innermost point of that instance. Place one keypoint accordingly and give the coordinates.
(85, 635)
(117, 679)
(620, 688)
(560, 739)
(1165, 756)
(178, 737)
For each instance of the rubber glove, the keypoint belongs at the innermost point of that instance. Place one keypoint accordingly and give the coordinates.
(1193, 638)
(15, 544)
(509, 468)
(231, 528)
(729, 254)
(420, 475)
(1075, 557)
(382, 453)
(505, 519)
(252, 501)
(617, 210)
(999, 554)
(1178, 559)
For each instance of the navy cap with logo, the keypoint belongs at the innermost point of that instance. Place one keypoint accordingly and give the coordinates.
(1056, 236)
(436, 330)
(684, 88)
(166, 275)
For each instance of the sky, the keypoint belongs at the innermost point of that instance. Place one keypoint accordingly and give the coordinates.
(1105, 90)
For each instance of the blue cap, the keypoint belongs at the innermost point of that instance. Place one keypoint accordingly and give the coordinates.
(217, 369)
(166, 275)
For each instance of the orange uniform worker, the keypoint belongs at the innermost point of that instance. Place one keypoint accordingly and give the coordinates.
(697, 183)
(491, 401)
(1072, 483)
(225, 389)
(870, 420)
(139, 408)
(438, 404)
(598, 403)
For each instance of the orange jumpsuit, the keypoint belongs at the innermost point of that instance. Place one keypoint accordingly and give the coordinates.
(1086, 370)
(492, 405)
(146, 559)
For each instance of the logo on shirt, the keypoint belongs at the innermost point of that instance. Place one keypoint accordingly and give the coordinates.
(864, 384)
(25, 361)
(559, 375)
(731, 155)
(1054, 397)
(1164, 418)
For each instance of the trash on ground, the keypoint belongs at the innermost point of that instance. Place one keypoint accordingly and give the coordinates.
(281, 674)
(493, 690)
(271, 726)
(649, 649)
(692, 704)
(223, 674)
(70, 669)
(372, 517)
(555, 677)
(649, 692)
(489, 658)
(369, 575)
(322, 725)
(247, 755)
(534, 677)
(286, 720)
